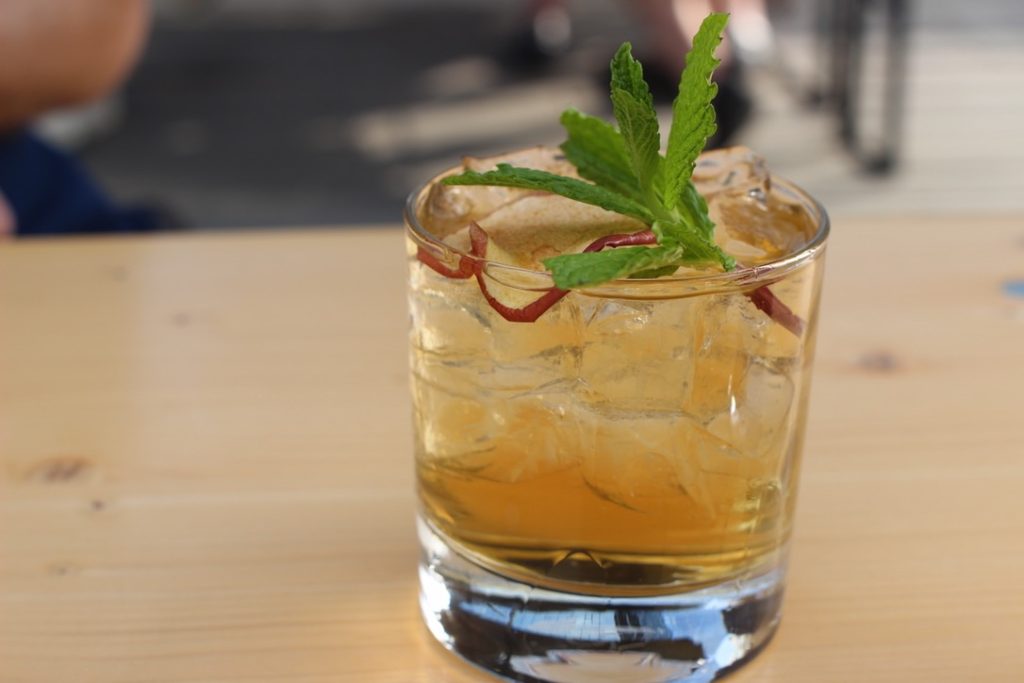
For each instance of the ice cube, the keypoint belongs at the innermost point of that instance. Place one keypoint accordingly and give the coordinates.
(528, 436)
(760, 418)
(450, 208)
(757, 228)
(450, 336)
(537, 227)
(796, 292)
(631, 459)
(538, 355)
(720, 338)
(451, 425)
(713, 471)
(536, 434)
(756, 223)
(447, 314)
(649, 461)
(730, 334)
(637, 355)
(731, 168)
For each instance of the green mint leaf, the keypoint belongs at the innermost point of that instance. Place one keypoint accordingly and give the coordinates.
(592, 268)
(653, 273)
(598, 152)
(693, 117)
(532, 179)
(691, 201)
(701, 252)
(633, 107)
(695, 235)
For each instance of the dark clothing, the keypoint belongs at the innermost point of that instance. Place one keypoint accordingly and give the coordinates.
(50, 193)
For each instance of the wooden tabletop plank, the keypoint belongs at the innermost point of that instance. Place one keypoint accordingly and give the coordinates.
(205, 462)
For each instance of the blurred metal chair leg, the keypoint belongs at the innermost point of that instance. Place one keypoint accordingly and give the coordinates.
(849, 22)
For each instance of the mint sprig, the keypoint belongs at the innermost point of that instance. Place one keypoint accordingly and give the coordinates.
(693, 116)
(633, 107)
(629, 175)
(599, 154)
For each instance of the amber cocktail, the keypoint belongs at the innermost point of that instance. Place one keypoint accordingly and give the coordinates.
(618, 474)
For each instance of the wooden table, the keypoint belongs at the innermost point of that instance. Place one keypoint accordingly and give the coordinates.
(206, 471)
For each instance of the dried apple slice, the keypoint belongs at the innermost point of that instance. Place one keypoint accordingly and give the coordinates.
(512, 304)
(521, 305)
(535, 228)
(464, 270)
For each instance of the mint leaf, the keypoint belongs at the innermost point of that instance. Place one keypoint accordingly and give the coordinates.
(696, 207)
(532, 179)
(629, 174)
(654, 273)
(693, 117)
(598, 152)
(633, 107)
(593, 268)
(693, 236)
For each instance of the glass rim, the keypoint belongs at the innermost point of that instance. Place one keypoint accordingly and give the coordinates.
(742, 277)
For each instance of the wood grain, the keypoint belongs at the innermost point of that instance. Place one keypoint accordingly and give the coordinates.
(205, 469)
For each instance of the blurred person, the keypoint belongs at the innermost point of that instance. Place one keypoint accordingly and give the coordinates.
(669, 25)
(547, 33)
(53, 54)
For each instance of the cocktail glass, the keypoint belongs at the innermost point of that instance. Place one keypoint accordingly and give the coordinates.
(607, 492)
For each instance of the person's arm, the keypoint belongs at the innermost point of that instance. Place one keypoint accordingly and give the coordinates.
(55, 53)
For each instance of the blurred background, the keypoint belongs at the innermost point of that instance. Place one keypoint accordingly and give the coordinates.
(276, 113)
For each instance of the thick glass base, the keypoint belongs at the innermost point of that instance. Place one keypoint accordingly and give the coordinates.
(524, 633)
